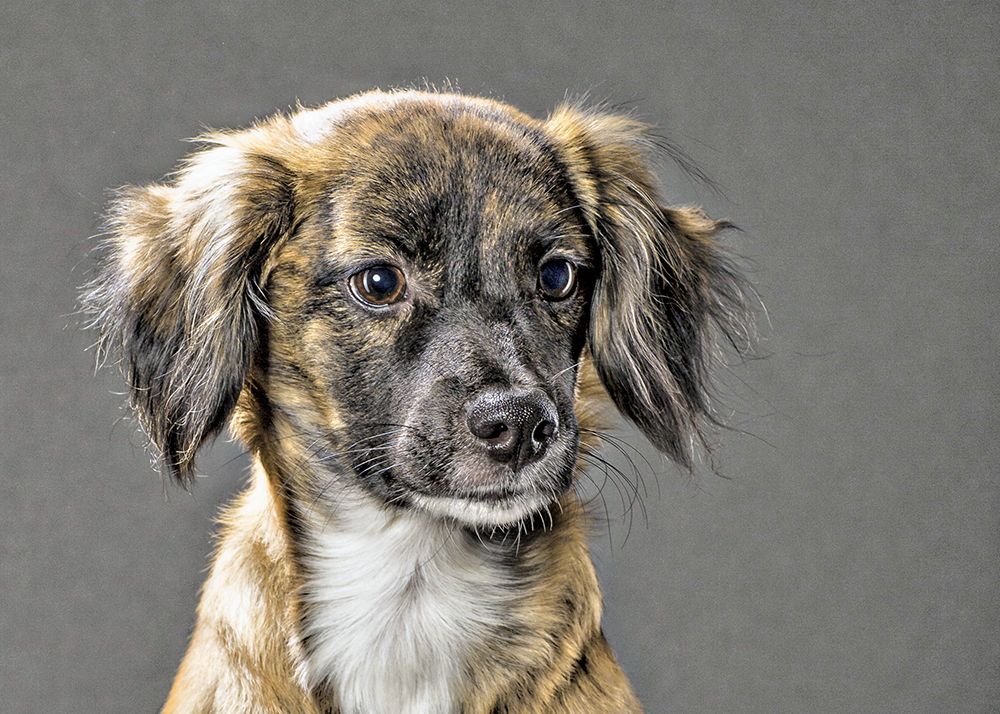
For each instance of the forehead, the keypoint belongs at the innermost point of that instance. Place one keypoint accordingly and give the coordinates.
(429, 176)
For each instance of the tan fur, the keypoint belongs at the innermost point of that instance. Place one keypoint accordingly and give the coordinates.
(242, 656)
(209, 291)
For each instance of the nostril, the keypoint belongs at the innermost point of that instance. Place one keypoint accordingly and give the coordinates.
(543, 432)
(486, 429)
(495, 432)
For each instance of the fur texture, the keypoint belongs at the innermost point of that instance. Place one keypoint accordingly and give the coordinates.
(411, 308)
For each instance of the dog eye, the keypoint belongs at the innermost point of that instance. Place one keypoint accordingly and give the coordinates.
(556, 279)
(379, 286)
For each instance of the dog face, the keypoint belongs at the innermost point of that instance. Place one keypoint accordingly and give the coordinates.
(400, 293)
(435, 336)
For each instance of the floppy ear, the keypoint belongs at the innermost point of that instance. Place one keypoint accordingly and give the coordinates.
(178, 293)
(662, 284)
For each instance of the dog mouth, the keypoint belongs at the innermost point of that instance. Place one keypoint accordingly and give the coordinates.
(488, 459)
(488, 509)
(472, 481)
(507, 464)
(476, 491)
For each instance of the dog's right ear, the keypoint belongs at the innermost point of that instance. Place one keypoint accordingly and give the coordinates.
(178, 294)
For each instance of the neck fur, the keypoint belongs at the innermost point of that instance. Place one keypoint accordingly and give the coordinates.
(394, 602)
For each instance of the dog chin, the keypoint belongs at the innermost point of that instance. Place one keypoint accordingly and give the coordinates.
(478, 512)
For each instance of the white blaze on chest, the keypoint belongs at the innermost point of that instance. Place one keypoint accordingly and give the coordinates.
(394, 601)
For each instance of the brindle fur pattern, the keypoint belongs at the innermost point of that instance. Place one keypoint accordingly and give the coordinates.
(226, 294)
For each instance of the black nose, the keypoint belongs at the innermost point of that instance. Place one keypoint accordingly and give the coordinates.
(514, 427)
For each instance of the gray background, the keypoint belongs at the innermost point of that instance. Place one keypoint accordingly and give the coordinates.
(850, 561)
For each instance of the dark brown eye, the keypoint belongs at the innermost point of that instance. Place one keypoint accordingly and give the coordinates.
(379, 286)
(556, 279)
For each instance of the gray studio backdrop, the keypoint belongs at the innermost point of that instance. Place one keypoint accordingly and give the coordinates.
(848, 562)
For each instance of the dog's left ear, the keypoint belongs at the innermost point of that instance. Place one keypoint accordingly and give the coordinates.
(663, 285)
(178, 294)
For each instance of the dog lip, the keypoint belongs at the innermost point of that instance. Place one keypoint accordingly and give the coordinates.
(494, 495)
(499, 493)
(485, 512)
(482, 495)
(507, 493)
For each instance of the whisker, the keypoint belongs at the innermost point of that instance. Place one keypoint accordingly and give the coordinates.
(611, 471)
(347, 452)
(563, 371)
(622, 484)
(626, 450)
(604, 502)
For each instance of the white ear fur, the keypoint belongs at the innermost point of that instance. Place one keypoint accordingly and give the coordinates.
(178, 292)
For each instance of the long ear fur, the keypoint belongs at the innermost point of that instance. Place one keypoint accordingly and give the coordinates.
(662, 286)
(178, 292)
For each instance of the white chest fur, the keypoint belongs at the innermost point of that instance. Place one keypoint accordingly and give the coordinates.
(394, 603)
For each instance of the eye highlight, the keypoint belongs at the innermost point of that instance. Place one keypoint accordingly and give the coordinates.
(379, 285)
(556, 279)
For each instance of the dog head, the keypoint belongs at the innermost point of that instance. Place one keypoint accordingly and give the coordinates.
(404, 292)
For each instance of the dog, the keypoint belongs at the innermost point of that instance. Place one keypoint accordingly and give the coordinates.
(412, 308)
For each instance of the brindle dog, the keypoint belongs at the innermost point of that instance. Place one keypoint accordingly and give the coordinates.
(410, 308)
